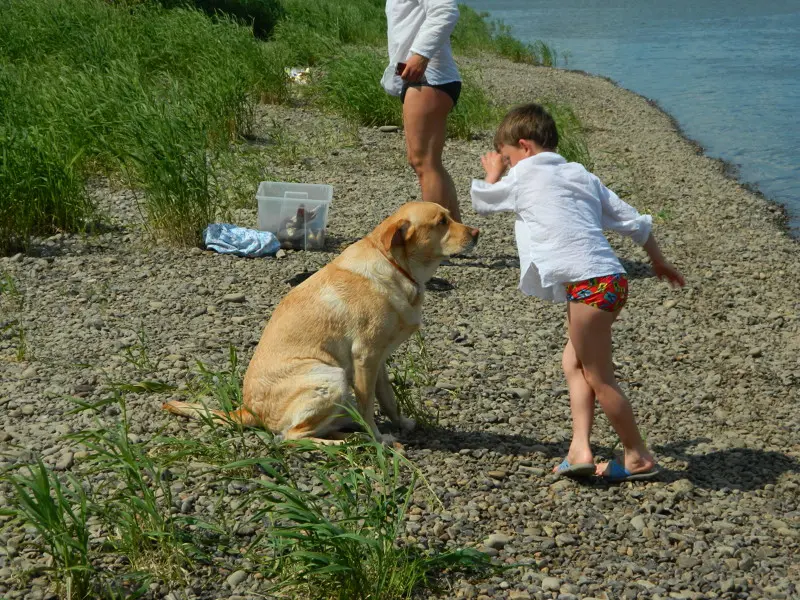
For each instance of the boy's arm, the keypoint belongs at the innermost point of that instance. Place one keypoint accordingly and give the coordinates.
(620, 216)
(441, 17)
(662, 268)
(496, 193)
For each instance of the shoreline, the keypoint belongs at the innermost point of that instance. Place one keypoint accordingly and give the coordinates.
(729, 168)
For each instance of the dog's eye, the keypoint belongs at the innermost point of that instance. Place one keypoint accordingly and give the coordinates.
(443, 220)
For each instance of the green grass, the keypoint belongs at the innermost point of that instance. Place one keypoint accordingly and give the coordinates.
(327, 519)
(351, 86)
(157, 95)
(410, 372)
(137, 502)
(475, 33)
(11, 302)
(572, 143)
(350, 22)
(336, 536)
(58, 512)
(665, 215)
(147, 92)
(41, 189)
(9, 288)
(261, 15)
(474, 111)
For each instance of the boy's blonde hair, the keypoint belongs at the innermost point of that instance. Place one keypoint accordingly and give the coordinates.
(527, 122)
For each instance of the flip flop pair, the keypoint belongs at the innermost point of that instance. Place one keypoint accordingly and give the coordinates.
(615, 472)
(578, 470)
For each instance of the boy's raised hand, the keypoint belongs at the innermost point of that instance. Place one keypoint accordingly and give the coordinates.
(494, 166)
(665, 270)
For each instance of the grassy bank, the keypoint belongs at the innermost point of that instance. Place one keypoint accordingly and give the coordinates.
(153, 94)
(306, 520)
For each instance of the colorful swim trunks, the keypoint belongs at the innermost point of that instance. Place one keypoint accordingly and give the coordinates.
(607, 293)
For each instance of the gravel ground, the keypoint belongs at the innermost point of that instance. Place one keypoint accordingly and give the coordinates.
(712, 369)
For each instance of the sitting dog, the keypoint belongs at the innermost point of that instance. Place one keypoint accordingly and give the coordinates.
(329, 338)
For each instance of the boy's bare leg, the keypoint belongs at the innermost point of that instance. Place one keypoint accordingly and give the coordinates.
(581, 403)
(590, 334)
(425, 111)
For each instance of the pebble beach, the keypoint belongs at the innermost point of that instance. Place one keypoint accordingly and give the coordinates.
(712, 369)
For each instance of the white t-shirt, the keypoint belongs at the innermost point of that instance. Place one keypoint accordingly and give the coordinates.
(421, 27)
(562, 210)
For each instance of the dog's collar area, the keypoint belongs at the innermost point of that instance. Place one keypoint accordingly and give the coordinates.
(397, 266)
(400, 268)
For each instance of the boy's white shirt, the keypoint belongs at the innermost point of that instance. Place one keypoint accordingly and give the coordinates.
(421, 27)
(562, 210)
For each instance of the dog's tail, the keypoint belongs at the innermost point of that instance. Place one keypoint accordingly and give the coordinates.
(240, 416)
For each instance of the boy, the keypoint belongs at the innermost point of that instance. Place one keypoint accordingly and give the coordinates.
(561, 211)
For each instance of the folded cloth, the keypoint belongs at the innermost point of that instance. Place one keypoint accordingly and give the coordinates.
(240, 241)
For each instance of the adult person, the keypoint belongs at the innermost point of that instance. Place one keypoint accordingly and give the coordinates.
(424, 75)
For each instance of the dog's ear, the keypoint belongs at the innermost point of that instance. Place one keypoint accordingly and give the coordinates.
(396, 234)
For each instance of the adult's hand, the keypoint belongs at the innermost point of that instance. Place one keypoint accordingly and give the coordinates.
(415, 68)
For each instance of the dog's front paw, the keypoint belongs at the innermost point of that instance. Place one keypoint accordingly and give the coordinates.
(407, 424)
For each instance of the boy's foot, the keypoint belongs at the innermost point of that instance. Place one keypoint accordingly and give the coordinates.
(614, 472)
(577, 470)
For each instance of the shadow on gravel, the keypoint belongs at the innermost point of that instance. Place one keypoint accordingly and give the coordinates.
(634, 269)
(737, 468)
(69, 244)
(337, 243)
(440, 438)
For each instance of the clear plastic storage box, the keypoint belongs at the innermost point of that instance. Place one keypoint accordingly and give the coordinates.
(297, 213)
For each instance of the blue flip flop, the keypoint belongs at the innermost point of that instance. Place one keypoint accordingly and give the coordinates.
(577, 470)
(616, 473)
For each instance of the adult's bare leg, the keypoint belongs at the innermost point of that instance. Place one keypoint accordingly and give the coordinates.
(425, 111)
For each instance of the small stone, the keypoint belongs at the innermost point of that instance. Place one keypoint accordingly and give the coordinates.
(565, 539)
(28, 410)
(519, 596)
(65, 462)
(536, 471)
(281, 253)
(497, 474)
(687, 562)
(755, 352)
(727, 585)
(746, 563)
(29, 373)
(236, 578)
(682, 487)
(200, 310)
(551, 584)
(520, 393)
(638, 523)
(561, 484)
(443, 384)
(388, 128)
(83, 389)
(237, 297)
(670, 304)
(497, 541)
